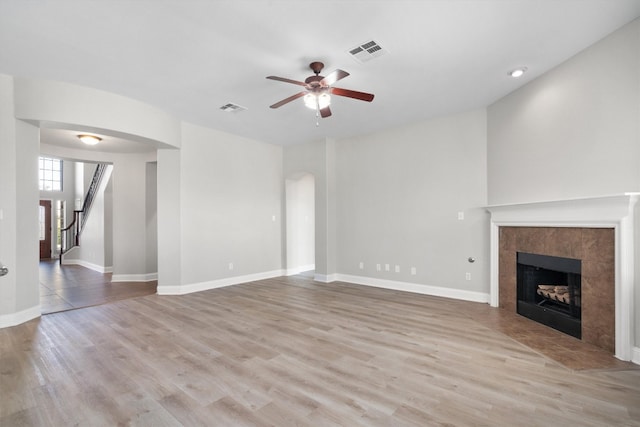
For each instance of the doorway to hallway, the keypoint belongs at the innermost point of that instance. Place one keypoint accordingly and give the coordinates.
(68, 287)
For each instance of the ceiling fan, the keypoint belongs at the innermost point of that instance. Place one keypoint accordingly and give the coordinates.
(318, 90)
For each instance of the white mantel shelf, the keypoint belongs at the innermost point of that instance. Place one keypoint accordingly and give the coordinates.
(616, 211)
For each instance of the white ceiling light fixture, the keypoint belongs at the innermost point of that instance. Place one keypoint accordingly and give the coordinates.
(90, 139)
(518, 72)
(317, 101)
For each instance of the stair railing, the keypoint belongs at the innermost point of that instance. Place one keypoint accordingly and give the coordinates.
(71, 233)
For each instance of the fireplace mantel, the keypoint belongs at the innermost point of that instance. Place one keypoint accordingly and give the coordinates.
(613, 211)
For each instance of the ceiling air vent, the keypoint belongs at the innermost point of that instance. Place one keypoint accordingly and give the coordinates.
(367, 51)
(232, 107)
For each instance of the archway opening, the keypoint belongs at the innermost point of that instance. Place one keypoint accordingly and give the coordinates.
(300, 223)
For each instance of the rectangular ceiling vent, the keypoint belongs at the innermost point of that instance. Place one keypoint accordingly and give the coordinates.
(367, 51)
(232, 107)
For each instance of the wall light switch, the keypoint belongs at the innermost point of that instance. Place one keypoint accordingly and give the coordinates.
(460, 216)
(413, 271)
(378, 267)
(467, 276)
(397, 269)
(361, 265)
(387, 267)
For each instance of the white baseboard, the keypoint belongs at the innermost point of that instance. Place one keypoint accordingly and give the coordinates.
(325, 278)
(86, 264)
(134, 277)
(416, 288)
(301, 269)
(13, 319)
(213, 284)
(635, 355)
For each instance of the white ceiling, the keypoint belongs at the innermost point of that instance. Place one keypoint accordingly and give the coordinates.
(191, 57)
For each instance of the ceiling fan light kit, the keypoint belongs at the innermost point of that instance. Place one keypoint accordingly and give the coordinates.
(318, 90)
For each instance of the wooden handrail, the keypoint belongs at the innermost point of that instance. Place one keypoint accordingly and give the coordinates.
(71, 233)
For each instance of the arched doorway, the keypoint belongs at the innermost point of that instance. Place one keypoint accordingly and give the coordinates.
(300, 223)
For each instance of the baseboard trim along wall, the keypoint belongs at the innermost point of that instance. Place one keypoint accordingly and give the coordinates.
(134, 277)
(91, 266)
(325, 278)
(13, 319)
(220, 283)
(635, 355)
(301, 269)
(436, 291)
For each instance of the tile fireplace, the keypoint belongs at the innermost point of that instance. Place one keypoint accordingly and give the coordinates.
(598, 235)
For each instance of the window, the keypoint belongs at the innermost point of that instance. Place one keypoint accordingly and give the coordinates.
(50, 174)
(60, 222)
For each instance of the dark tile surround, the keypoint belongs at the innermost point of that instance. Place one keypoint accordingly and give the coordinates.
(594, 246)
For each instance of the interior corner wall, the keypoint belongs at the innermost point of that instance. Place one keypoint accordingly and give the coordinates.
(399, 196)
(230, 207)
(151, 217)
(573, 132)
(169, 222)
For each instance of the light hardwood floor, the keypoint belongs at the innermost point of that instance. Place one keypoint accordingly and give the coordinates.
(291, 351)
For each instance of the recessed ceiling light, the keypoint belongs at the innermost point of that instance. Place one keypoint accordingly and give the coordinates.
(90, 139)
(518, 72)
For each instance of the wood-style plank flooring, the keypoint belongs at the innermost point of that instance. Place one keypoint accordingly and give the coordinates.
(72, 286)
(294, 352)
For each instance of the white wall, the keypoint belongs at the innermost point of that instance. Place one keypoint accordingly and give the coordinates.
(129, 209)
(575, 131)
(169, 222)
(230, 207)
(151, 217)
(399, 194)
(19, 290)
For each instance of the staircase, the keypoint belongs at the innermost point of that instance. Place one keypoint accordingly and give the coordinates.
(71, 234)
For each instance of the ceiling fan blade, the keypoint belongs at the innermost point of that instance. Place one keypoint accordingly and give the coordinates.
(282, 79)
(289, 99)
(333, 77)
(352, 94)
(325, 112)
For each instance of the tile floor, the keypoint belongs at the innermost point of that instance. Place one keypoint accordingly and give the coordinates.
(72, 286)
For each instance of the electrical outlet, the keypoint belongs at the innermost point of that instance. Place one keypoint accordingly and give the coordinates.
(230, 266)
(397, 269)
(361, 265)
(378, 267)
(460, 216)
(387, 267)
(413, 271)
(467, 276)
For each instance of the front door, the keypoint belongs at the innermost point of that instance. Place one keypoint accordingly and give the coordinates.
(45, 229)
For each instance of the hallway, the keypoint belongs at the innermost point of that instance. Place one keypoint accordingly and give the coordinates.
(69, 287)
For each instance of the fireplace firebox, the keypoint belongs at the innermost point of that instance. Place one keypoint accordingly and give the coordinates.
(548, 291)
